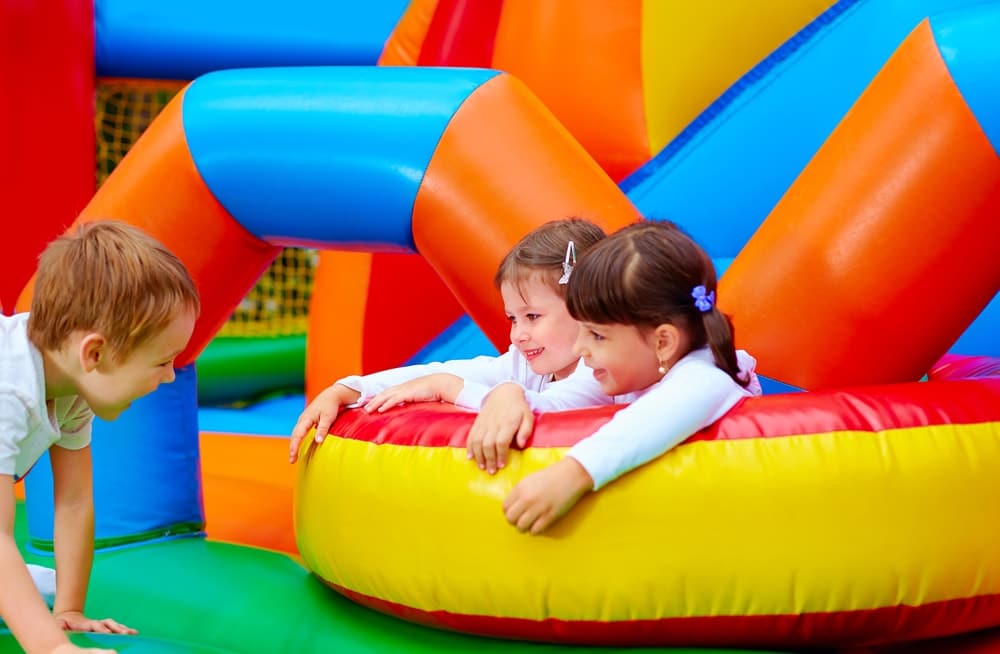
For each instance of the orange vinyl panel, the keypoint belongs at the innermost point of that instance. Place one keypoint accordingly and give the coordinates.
(336, 318)
(596, 92)
(503, 167)
(885, 248)
(403, 46)
(247, 484)
(157, 187)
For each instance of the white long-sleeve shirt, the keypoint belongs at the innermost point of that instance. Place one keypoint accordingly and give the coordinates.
(692, 395)
(480, 375)
(580, 389)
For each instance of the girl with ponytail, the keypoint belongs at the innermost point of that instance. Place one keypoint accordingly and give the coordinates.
(650, 331)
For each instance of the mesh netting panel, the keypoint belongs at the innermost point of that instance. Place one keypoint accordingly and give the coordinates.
(278, 304)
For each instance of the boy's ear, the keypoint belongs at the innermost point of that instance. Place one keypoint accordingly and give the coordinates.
(93, 351)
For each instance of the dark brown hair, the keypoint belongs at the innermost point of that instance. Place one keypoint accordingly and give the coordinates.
(644, 275)
(543, 251)
(111, 278)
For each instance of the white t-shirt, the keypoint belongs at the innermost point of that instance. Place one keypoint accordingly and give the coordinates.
(692, 395)
(480, 375)
(30, 424)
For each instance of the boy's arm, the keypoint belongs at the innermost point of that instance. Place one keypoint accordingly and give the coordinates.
(21, 606)
(73, 533)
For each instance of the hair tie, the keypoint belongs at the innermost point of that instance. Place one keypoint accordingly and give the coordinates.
(702, 300)
(568, 263)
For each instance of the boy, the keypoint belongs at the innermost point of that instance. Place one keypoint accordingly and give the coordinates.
(112, 308)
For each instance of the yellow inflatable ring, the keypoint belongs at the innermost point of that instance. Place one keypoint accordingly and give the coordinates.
(822, 519)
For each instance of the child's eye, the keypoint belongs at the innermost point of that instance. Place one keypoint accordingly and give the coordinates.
(533, 316)
(511, 319)
(597, 337)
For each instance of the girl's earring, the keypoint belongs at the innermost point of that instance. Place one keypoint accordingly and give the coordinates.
(661, 370)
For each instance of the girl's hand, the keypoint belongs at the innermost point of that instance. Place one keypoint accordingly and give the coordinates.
(77, 621)
(439, 387)
(320, 413)
(541, 498)
(503, 416)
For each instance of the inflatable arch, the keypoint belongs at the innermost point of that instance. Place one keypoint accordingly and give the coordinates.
(344, 157)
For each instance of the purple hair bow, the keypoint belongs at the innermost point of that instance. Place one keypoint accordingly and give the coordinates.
(702, 300)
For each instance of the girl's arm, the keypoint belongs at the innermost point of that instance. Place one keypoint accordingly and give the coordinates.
(506, 414)
(483, 371)
(577, 391)
(371, 390)
(693, 395)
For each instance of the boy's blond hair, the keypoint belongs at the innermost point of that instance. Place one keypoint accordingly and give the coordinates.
(111, 278)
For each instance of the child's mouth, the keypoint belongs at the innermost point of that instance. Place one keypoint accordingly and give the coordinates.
(531, 354)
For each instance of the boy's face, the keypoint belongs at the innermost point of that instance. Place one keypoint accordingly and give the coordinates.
(110, 387)
(540, 326)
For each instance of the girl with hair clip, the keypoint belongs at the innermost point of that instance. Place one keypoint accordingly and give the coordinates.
(531, 279)
(646, 300)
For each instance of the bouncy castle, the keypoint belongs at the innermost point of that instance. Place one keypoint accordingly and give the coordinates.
(839, 161)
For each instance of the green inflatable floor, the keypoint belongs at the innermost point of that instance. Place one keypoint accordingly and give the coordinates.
(195, 596)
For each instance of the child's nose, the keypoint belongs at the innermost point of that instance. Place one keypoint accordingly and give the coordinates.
(170, 376)
(518, 333)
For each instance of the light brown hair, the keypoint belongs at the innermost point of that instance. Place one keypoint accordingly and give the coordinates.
(644, 275)
(542, 251)
(111, 278)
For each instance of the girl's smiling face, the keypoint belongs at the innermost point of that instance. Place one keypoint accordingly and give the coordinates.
(540, 326)
(623, 357)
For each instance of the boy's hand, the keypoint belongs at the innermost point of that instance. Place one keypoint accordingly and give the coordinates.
(70, 648)
(503, 416)
(77, 621)
(541, 498)
(320, 413)
(439, 387)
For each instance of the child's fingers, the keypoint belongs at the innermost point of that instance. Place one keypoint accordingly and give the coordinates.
(302, 425)
(474, 446)
(375, 402)
(490, 453)
(512, 507)
(525, 428)
(393, 401)
(323, 426)
(118, 628)
(301, 428)
(502, 449)
(384, 401)
(491, 450)
(527, 516)
(541, 524)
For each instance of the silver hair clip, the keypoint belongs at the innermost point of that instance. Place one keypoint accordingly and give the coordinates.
(569, 262)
